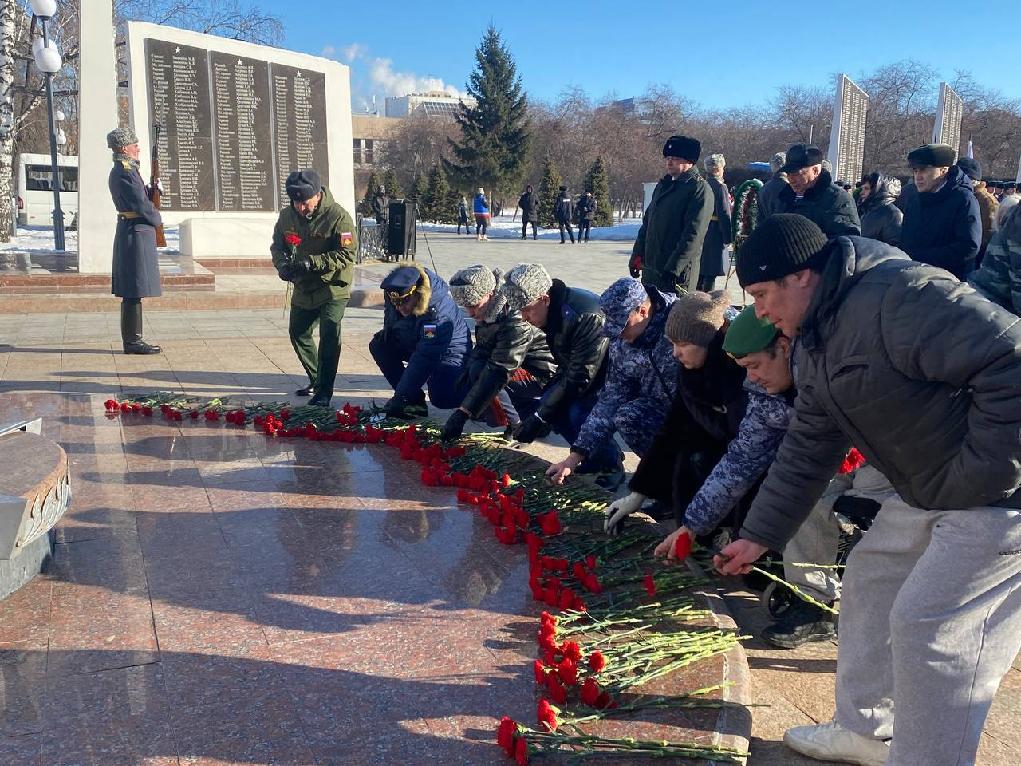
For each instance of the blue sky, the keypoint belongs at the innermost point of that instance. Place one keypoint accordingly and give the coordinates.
(716, 53)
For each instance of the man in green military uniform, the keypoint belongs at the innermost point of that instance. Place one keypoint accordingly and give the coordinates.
(314, 246)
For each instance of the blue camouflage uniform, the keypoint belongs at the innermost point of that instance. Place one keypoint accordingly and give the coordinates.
(428, 348)
(641, 378)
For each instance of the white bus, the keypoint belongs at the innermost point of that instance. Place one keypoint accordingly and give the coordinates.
(35, 189)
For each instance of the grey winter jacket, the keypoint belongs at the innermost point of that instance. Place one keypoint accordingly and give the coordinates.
(999, 276)
(918, 371)
(748, 456)
(645, 368)
(504, 343)
(880, 218)
(829, 205)
(673, 227)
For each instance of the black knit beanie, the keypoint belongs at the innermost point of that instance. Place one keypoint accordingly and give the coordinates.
(780, 245)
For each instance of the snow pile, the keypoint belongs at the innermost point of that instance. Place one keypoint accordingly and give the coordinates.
(503, 227)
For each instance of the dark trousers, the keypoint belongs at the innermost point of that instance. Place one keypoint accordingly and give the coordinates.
(445, 390)
(481, 224)
(568, 424)
(570, 232)
(524, 230)
(467, 226)
(705, 283)
(321, 365)
(131, 321)
(518, 399)
(586, 227)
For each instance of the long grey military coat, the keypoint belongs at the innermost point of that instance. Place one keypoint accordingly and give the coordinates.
(136, 271)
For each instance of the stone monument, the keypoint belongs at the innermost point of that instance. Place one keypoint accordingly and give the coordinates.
(949, 113)
(847, 135)
(235, 119)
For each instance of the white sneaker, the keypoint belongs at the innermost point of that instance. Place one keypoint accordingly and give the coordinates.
(832, 742)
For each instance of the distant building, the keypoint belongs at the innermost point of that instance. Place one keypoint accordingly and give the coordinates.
(429, 104)
(370, 136)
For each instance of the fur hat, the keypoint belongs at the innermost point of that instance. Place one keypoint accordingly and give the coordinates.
(303, 185)
(618, 301)
(782, 244)
(802, 156)
(469, 286)
(408, 280)
(525, 284)
(714, 162)
(971, 168)
(683, 147)
(118, 138)
(932, 155)
(697, 317)
(777, 162)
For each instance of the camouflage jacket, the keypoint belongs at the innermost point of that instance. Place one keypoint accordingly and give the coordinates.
(999, 276)
(747, 458)
(645, 368)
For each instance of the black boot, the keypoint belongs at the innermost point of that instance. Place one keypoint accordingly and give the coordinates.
(801, 623)
(306, 391)
(131, 329)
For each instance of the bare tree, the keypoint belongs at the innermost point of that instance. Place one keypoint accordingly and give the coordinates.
(417, 146)
(236, 19)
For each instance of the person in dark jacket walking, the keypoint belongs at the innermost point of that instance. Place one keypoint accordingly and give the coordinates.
(380, 207)
(941, 221)
(812, 193)
(667, 251)
(563, 212)
(923, 376)
(987, 203)
(314, 248)
(586, 212)
(880, 217)
(510, 362)
(529, 205)
(641, 376)
(424, 342)
(462, 215)
(768, 198)
(719, 233)
(573, 324)
(136, 268)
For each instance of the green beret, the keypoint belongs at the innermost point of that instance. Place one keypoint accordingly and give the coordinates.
(748, 334)
(934, 155)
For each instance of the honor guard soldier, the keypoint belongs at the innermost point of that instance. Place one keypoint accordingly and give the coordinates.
(314, 248)
(136, 269)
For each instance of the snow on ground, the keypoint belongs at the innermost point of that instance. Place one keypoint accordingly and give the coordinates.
(503, 227)
(39, 239)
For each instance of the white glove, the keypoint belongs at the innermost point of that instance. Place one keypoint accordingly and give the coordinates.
(619, 510)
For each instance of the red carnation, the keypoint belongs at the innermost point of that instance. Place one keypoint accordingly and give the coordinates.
(521, 752)
(596, 661)
(550, 523)
(568, 672)
(292, 239)
(682, 546)
(589, 692)
(505, 734)
(540, 672)
(547, 715)
(571, 650)
(649, 584)
(556, 689)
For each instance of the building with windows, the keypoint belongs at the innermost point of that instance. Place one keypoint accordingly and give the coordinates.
(370, 134)
(435, 104)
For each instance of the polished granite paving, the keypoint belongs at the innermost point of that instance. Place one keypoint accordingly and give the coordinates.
(219, 597)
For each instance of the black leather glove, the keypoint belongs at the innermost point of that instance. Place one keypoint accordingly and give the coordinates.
(635, 265)
(286, 272)
(860, 510)
(454, 426)
(302, 265)
(394, 408)
(531, 428)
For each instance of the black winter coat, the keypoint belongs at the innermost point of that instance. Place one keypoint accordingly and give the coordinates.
(504, 343)
(943, 228)
(529, 205)
(574, 334)
(136, 266)
(916, 370)
(768, 198)
(718, 235)
(829, 205)
(882, 220)
(586, 208)
(673, 227)
(705, 414)
(563, 210)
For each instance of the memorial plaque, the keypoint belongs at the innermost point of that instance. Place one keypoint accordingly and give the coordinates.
(847, 136)
(178, 89)
(299, 122)
(244, 149)
(949, 113)
(233, 127)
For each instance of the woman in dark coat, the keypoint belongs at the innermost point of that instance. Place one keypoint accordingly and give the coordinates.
(136, 269)
(718, 235)
(880, 217)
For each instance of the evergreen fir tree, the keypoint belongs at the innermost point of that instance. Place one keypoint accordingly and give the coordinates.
(436, 193)
(495, 132)
(417, 192)
(448, 214)
(393, 189)
(598, 182)
(365, 206)
(549, 192)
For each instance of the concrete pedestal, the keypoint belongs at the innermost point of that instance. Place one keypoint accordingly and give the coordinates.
(227, 237)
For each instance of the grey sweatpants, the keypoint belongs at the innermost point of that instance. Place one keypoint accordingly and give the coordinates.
(816, 540)
(930, 621)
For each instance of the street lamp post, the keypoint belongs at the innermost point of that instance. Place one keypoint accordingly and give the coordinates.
(47, 59)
